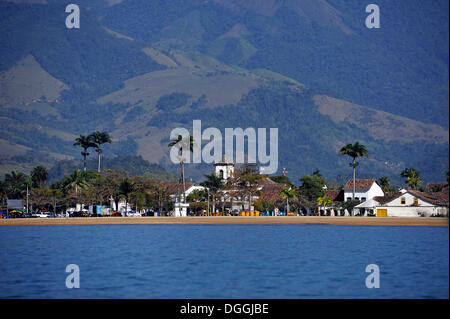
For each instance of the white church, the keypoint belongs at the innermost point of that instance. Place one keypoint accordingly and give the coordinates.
(223, 169)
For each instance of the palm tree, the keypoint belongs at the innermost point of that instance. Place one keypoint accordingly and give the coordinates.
(412, 177)
(100, 138)
(76, 181)
(288, 193)
(39, 176)
(182, 144)
(323, 201)
(385, 184)
(214, 183)
(354, 151)
(16, 184)
(84, 142)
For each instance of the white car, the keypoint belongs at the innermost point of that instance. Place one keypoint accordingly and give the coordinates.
(134, 214)
(43, 214)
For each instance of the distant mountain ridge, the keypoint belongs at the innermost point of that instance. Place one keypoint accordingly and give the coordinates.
(303, 66)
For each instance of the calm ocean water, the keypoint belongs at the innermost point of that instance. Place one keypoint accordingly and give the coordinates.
(224, 261)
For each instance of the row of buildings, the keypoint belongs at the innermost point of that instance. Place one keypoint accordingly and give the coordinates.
(434, 201)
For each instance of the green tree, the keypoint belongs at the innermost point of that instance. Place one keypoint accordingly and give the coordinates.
(39, 176)
(385, 184)
(312, 187)
(100, 138)
(16, 184)
(214, 183)
(412, 176)
(282, 180)
(247, 179)
(159, 193)
(184, 145)
(3, 194)
(126, 189)
(323, 201)
(85, 142)
(354, 151)
(77, 181)
(288, 193)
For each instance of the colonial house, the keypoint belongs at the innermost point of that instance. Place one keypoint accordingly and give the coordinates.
(412, 203)
(365, 189)
(176, 195)
(176, 190)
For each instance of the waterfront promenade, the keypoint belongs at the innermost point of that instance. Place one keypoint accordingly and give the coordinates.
(261, 220)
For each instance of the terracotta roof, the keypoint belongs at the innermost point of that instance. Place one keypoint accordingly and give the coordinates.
(173, 188)
(386, 199)
(435, 187)
(442, 195)
(265, 181)
(335, 195)
(430, 197)
(360, 184)
(271, 193)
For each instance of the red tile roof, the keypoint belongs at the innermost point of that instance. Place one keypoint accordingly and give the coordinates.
(431, 198)
(360, 184)
(173, 188)
(271, 194)
(436, 187)
(386, 199)
(335, 195)
(437, 199)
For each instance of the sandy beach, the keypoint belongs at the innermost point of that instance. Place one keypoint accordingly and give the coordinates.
(294, 220)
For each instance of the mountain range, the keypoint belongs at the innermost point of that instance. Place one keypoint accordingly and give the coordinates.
(139, 68)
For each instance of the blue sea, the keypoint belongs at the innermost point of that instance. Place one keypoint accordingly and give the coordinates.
(224, 261)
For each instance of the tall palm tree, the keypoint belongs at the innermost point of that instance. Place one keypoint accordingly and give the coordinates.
(412, 176)
(85, 142)
(354, 151)
(288, 193)
(182, 144)
(214, 183)
(39, 176)
(100, 138)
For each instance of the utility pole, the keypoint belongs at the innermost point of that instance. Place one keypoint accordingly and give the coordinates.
(207, 214)
(28, 194)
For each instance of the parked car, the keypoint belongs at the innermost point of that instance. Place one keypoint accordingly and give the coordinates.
(44, 214)
(75, 214)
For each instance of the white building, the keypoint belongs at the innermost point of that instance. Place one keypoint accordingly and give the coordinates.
(176, 191)
(365, 189)
(224, 169)
(412, 203)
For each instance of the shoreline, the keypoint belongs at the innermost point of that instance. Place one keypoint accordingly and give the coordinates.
(229, 220)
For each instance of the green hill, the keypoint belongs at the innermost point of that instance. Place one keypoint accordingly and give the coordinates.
(139, 68)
